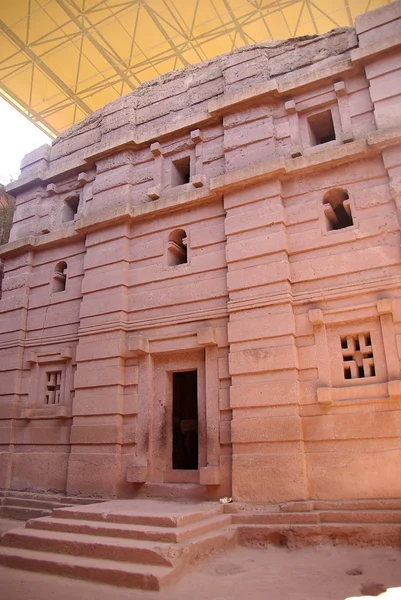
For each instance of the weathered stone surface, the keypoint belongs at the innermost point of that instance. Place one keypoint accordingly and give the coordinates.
(238, 220)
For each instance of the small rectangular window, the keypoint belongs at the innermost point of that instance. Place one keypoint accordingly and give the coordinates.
(70, 209)
(180, 171)
(321, 128)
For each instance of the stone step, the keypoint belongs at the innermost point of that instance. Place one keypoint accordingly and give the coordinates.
(59, 542)
(168, 535)
(98, 557)
(351, 505)
(360, 516)
(81, 500)
(146, 577)
(157, 513)
(23, 513)
(55, 499)
(275, 518)
(297, 535)
(32, 503)
(138, 532)
(174, 491)
(340, 505)
(354, 516)
(33, 495)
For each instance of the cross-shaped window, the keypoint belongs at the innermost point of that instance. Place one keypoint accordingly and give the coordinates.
(357, 354)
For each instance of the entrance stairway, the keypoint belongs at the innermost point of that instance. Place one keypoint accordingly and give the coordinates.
(134, 543)
(148, 542)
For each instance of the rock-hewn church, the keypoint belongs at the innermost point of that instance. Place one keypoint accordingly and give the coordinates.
(202, 287)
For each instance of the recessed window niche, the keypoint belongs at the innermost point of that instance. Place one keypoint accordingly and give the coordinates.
(59, 277)
(180, 171)
(321, 128)
(70, 209)
(337, 209)
(177, 253)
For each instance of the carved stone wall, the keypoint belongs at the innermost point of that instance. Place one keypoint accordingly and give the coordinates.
(240, 218)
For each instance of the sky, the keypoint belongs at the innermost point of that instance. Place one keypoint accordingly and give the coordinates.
(18, 137)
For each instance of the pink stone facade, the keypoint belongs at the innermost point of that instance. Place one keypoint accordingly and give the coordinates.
(240, 220)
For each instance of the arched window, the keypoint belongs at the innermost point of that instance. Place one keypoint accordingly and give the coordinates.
(60, 277)
(177, 248)
(337, 209)
(70, 209)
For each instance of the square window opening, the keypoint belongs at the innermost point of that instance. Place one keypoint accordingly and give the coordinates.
(321, 128)
(70, 209)
(180, 171)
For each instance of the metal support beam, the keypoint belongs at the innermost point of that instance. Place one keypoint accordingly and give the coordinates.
(43, 67)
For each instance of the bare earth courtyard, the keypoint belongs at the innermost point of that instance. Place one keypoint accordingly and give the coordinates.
(270, 573)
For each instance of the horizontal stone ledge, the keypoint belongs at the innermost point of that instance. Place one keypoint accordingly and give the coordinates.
(46, 412)
(131, 140)
(49, 175)
(359, 394)
(281, 168)
(228, 102)
(33, 242)
(336, 155)
(382, 138)
(364, 55)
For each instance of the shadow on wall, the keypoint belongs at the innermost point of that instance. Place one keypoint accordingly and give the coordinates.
(7, 208)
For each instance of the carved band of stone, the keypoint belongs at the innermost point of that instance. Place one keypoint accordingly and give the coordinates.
(40, 358)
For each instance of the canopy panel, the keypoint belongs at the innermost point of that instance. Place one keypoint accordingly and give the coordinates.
(62, 59)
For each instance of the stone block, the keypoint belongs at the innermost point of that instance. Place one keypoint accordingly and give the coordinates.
(138, 345)
(280, 478)
(263, 359)
(207, 336)
(137, 474)
(209, 475)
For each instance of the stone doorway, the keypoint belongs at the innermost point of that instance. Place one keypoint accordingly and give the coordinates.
(185, 420)
(178, 428)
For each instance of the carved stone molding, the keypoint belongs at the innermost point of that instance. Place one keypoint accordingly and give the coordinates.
(374, 321)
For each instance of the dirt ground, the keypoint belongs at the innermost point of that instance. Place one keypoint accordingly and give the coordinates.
(317, 573)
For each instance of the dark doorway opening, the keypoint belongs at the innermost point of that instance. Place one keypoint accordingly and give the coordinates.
(185, 420)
